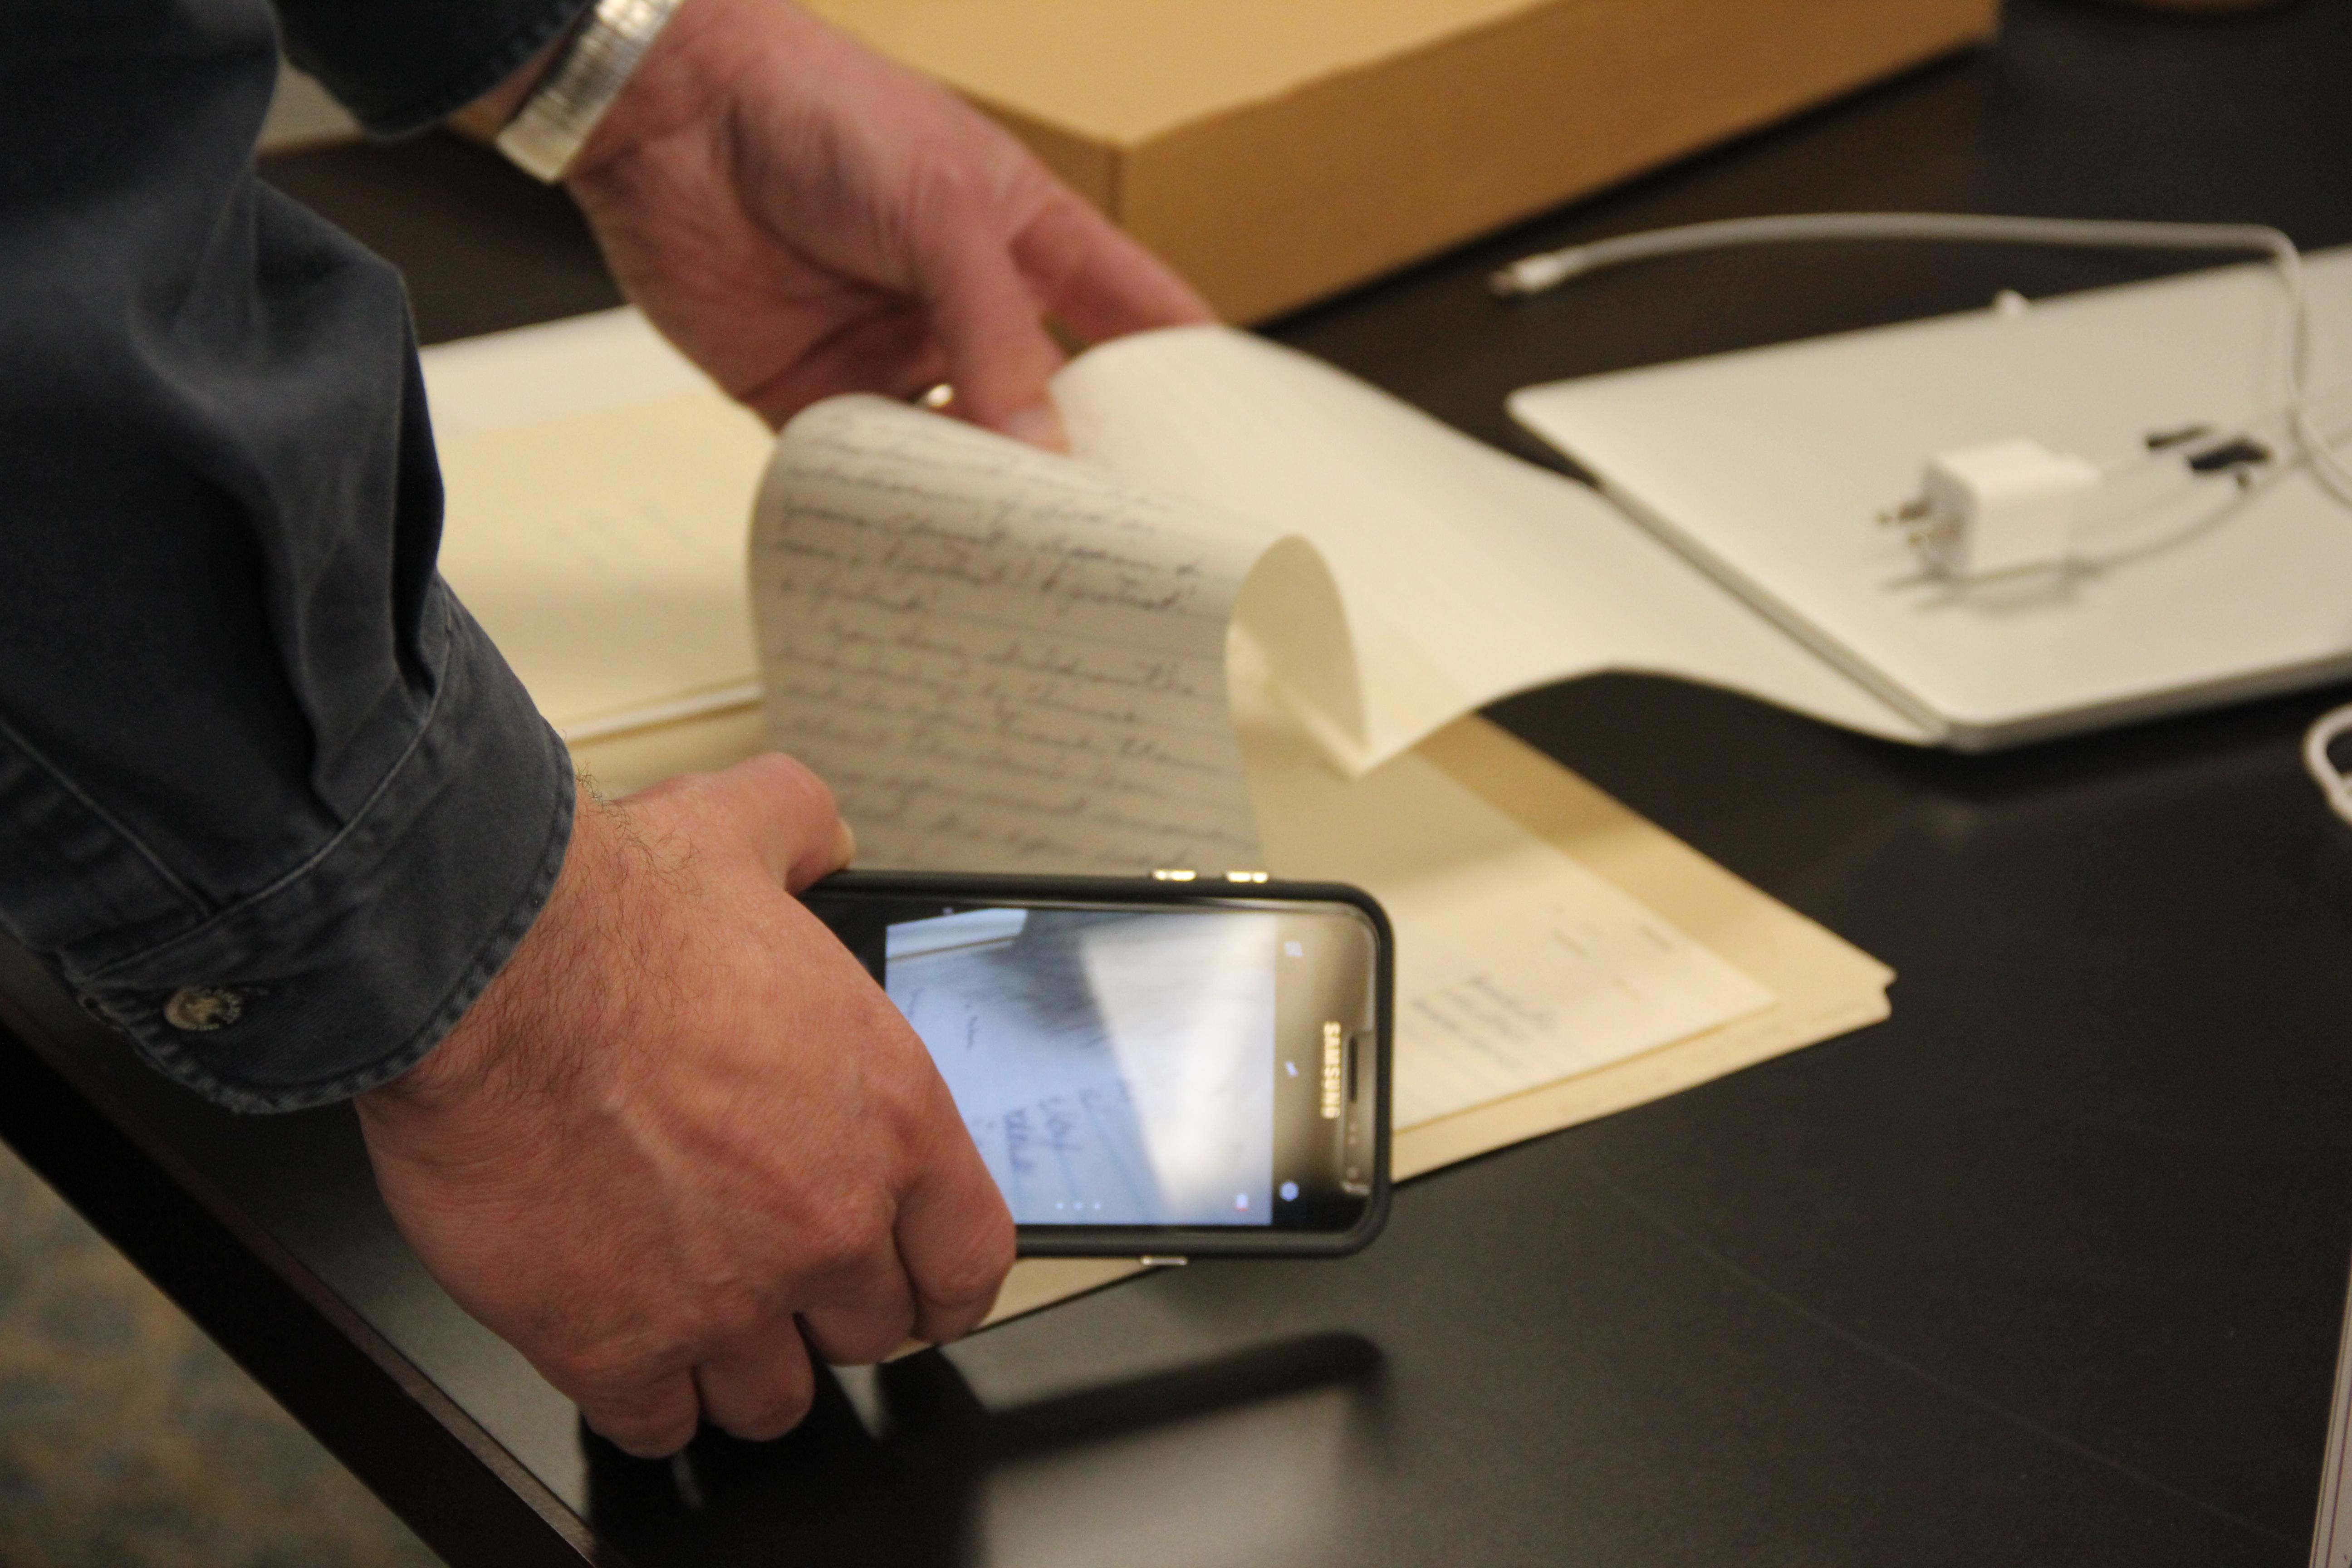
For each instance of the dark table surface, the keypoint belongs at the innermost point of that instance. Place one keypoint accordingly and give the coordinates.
(2048, 1268)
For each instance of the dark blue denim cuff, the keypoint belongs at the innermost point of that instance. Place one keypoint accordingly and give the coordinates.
(345, 973)
(403, 67)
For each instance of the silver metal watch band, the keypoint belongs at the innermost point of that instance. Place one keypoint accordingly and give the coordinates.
(581, 86)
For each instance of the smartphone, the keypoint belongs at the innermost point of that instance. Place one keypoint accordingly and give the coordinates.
(1165, 1066)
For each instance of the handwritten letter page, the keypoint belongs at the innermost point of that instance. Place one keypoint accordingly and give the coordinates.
(1000, 659)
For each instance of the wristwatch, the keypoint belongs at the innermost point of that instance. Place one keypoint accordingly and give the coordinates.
(581, 84)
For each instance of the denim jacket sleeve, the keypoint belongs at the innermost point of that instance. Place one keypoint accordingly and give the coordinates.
(400, 65)
(270, 800)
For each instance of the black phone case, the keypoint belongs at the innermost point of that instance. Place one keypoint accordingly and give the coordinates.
(1179, 1242)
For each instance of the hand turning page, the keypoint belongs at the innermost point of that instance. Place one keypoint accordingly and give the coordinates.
(1009, 660)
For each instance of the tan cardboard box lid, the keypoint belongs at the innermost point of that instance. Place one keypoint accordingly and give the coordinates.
(1123, 71)
(1277, 150)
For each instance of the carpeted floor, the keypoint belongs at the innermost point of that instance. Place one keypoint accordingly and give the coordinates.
(128, 1440)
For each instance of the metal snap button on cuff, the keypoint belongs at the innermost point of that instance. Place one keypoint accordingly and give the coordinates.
(200, 1009)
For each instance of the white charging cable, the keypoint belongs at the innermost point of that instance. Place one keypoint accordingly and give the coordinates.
(2322, 768)
(1535, 274)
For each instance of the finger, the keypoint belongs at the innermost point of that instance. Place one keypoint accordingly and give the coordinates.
(863, 1314)
(1000, 357)
(778, 805)
(955, 1235)
(651, 1422)
(888, 351)
(759, 1388)
(1098, 281)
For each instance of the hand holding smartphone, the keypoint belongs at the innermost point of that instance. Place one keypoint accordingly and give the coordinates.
(1149, 1067)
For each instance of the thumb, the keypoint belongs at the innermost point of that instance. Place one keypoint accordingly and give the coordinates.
(777, 805)
(1000, 357)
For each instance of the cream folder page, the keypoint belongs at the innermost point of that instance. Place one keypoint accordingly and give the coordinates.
(1238, 669)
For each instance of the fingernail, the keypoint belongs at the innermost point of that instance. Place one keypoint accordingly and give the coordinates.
(1040, 426)
(844, 846)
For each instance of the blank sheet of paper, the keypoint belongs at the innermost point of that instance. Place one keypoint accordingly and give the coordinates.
(602, 549)
(1467, 573)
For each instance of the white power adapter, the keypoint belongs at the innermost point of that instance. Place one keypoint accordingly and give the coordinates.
(2008, 506)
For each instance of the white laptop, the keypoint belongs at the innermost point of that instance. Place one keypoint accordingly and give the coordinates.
(1769, 469)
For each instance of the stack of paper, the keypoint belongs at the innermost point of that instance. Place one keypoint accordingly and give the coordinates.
(1560, 958)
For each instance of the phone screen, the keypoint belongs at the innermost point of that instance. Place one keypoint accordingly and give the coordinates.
(1171, 1066)
(1115, 1067)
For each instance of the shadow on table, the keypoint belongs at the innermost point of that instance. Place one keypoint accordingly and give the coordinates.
(918, 1470)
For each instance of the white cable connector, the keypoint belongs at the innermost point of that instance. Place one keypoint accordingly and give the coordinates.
(2016, 506)
(1536, 274)
(2007, 506)
(2322, 768)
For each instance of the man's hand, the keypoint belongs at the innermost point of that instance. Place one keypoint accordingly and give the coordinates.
(803, 218)
(683, 1134)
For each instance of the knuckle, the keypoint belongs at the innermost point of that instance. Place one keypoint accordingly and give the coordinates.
(626, 1401)
(969, 1275)
(773, 1418)
(866, 1349)
(944, 195)
(788, 775)
(592, 1373)
(843, 1240)
(613, 1371)
(730, 1313)
(645, 1437)
(899, 1106)
(640, 1420)
(869, 1338)
(906, 1099)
